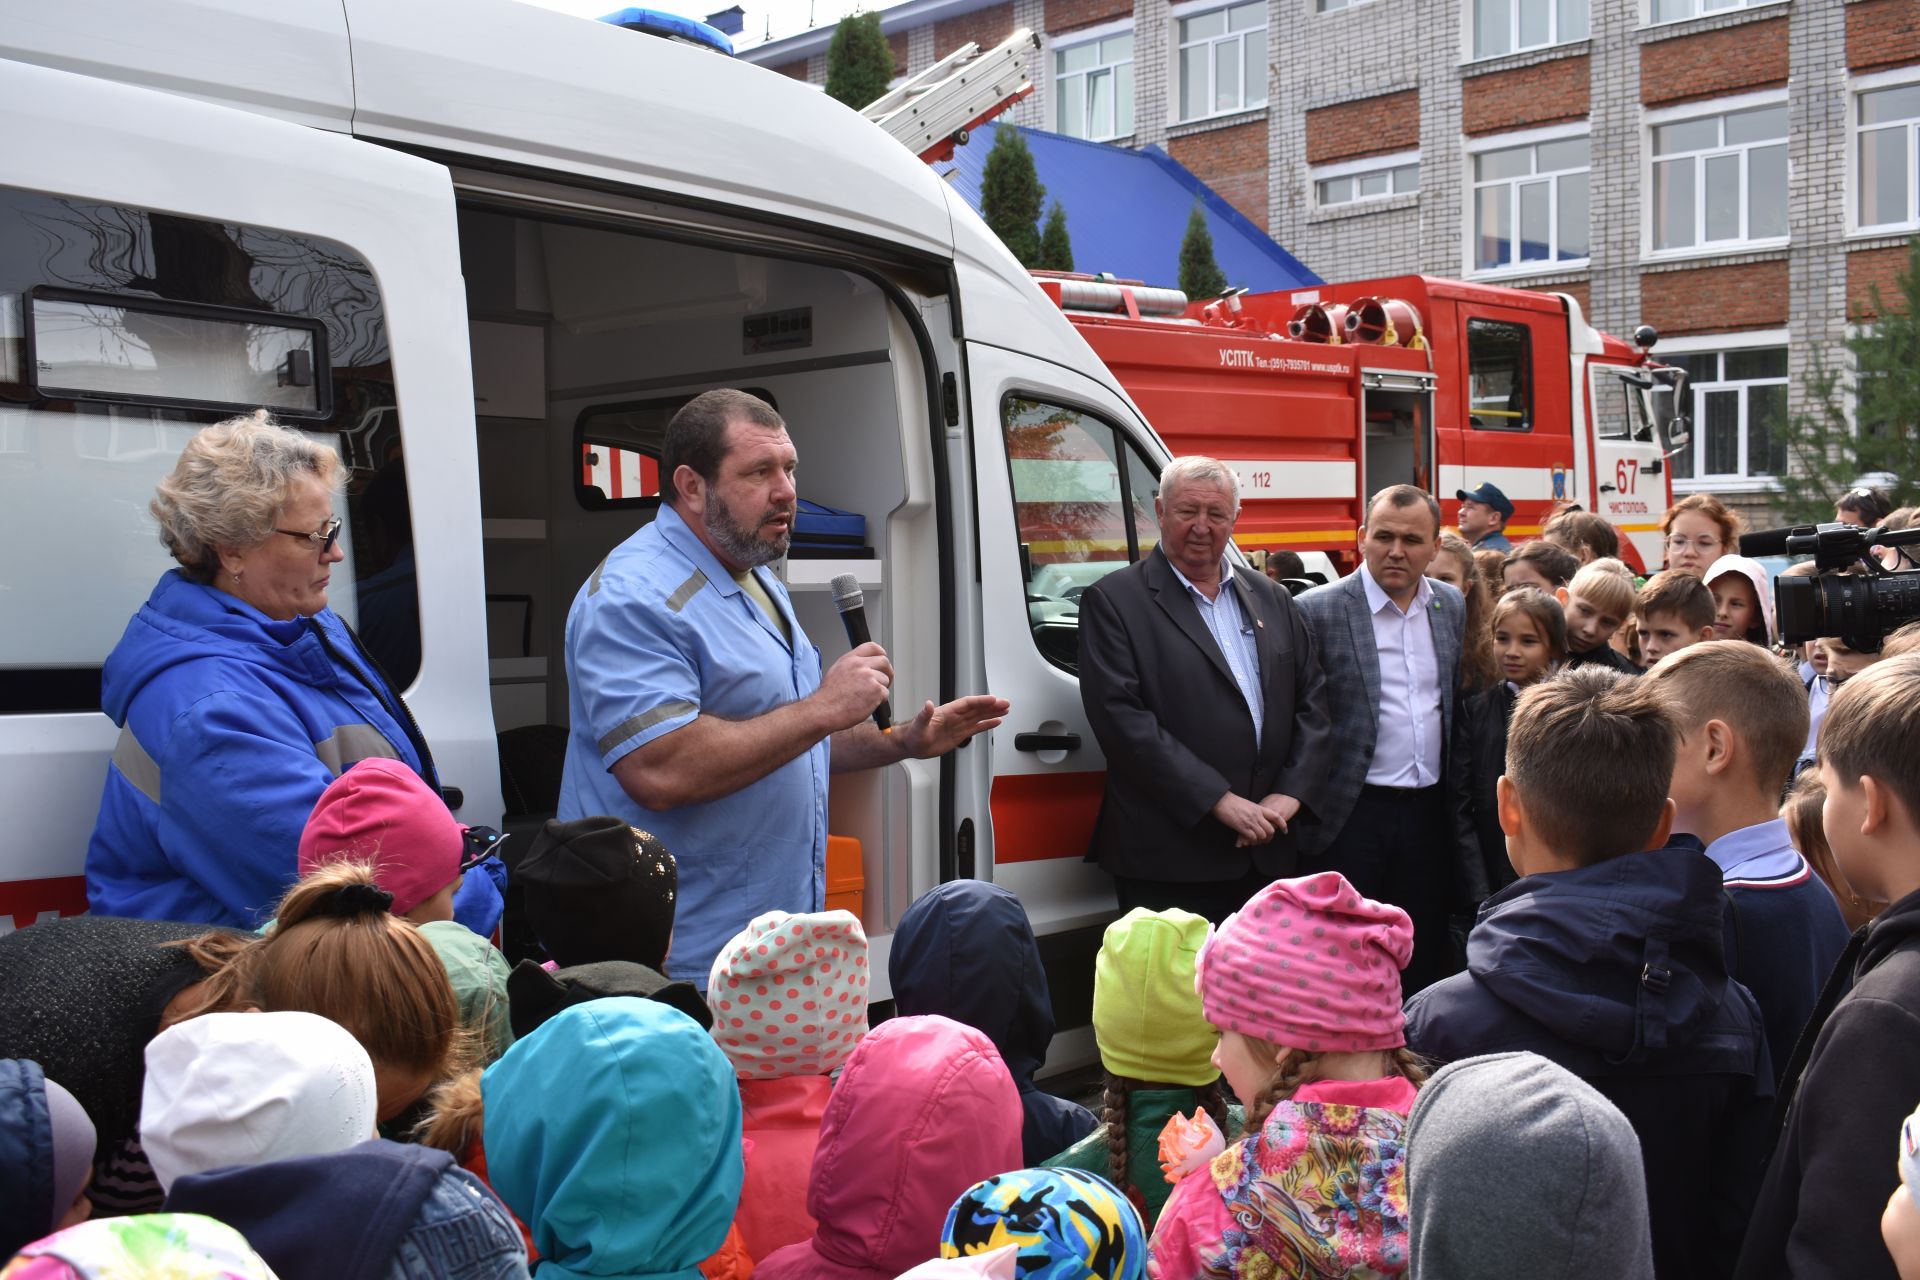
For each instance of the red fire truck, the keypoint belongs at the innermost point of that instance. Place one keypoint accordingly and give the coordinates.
(1317, 397)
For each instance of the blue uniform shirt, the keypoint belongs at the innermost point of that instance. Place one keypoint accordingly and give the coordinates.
(658, 635)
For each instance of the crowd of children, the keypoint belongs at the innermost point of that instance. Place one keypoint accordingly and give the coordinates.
(1677, 1046)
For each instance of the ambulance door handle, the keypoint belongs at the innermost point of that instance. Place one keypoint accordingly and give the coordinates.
(1046, 742)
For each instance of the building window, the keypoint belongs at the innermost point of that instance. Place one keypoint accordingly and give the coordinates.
(1681, 10)
(1334, 6)
(1888, 121)
(1739, 415)
(1374, 178)
(1530, 205)
(1720, 179)
(1509, 26)
(1093, 87)
(1223, 61)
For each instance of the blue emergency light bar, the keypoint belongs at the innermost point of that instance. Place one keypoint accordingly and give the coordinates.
(671, 26)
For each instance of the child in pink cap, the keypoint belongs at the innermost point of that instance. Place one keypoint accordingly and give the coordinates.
(789, 1001)
(1304, 984)
(379, 811)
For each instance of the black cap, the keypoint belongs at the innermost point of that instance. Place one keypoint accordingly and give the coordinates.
(535, 994)
(598, 889)
(1488, 495)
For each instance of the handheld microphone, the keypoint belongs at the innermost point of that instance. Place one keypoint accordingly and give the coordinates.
(852, 604)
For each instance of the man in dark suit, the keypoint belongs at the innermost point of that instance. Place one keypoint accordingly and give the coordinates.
(1201, 684)
(1391, 810)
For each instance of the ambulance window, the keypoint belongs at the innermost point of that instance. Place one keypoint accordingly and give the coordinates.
(1500, 375)
(143, 328)
(618, 447)
(1079, 494)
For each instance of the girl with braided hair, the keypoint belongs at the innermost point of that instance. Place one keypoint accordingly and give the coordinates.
(1156, 1047)
(1304, 984)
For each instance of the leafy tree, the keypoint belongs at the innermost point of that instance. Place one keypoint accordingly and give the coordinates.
(1011, 195)
(1829, 453)
(1056, 250)
(1200, 275)
(859, 61)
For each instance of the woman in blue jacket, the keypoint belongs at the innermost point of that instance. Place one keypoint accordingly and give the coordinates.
(239, 694)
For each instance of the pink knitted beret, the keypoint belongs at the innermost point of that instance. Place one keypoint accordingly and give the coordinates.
(1309, 964)
(789, 994)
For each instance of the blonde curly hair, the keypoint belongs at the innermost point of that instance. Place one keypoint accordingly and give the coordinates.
(230, 485)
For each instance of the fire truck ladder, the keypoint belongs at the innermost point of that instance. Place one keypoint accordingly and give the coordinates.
(932, 112)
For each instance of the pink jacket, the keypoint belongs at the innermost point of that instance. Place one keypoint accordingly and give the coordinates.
(1320, 1192)
(924, 1110)
(782, 1122)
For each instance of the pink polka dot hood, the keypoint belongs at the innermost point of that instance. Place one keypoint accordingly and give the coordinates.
(789, 994)
(1309, 964)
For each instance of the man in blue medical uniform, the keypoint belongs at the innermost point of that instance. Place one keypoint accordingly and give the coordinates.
(698, 709)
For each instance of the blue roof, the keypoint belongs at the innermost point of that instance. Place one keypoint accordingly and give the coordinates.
(1127, 210)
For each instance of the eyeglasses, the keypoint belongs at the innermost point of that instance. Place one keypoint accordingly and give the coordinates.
(1679, 543)
(324, 539)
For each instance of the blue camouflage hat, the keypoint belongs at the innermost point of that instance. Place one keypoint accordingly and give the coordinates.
(1069, 1225)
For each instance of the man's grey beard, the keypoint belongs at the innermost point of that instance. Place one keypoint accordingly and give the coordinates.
(743, 545)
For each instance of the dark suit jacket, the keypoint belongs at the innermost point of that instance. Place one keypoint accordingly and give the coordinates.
(1342, 627)
(1176, 731)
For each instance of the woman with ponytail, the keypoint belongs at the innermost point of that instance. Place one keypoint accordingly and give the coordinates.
(1156, 1047)
(82, 997)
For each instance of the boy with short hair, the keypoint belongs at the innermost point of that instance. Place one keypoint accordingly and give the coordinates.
(1675, 610)
(1597, 601)
(1742, 718)
(1606, 957)
(1819, 1209)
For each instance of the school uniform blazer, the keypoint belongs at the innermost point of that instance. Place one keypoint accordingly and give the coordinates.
(1176, 731)
(1342, 627)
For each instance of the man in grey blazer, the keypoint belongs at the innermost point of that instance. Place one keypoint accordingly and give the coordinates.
(1201, 685)
(1390, 638)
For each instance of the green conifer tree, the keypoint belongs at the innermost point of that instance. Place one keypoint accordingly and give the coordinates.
(1830, 450)
(1200, 275)
(859, 61)
(1056, 249)
(1011, 195)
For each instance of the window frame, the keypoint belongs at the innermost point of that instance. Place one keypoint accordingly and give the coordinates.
(1125, 446)
(1699, 11)
(1529, 385)
(588, 497)
(1477, 147)
(1470, 12)
(1715, 109)
(1176, 97)
(1857, 87)
(1074, 40)
(1362, 167)
(1721, 344)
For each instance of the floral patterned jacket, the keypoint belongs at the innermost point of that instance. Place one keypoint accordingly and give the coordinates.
(1320, 1192)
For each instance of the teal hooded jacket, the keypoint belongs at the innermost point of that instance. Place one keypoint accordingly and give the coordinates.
(613, 1132)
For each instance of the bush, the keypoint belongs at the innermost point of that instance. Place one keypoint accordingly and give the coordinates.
(859, 61)
(1011, 195)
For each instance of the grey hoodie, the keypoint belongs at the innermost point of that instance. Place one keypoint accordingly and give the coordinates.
(1517, 1167)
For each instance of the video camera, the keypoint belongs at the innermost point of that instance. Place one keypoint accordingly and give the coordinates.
(1860, 607)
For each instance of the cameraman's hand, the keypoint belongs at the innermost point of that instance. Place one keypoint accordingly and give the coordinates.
(854, 686)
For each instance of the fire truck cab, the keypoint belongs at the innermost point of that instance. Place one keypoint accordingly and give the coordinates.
(1318, 397)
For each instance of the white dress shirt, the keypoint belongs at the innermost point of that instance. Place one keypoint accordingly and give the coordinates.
(1406, 750)
(1230, 628)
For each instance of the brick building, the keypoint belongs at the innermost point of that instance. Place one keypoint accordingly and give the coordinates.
(1736, 173)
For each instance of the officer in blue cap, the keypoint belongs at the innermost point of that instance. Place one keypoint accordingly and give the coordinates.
(1484, 513)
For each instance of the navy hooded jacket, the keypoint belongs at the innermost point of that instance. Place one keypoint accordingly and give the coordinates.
(1616, 972)
(26, 1157)
(966, 951)
(381, 1209)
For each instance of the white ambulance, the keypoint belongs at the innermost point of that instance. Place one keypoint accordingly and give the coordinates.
(504, 245)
